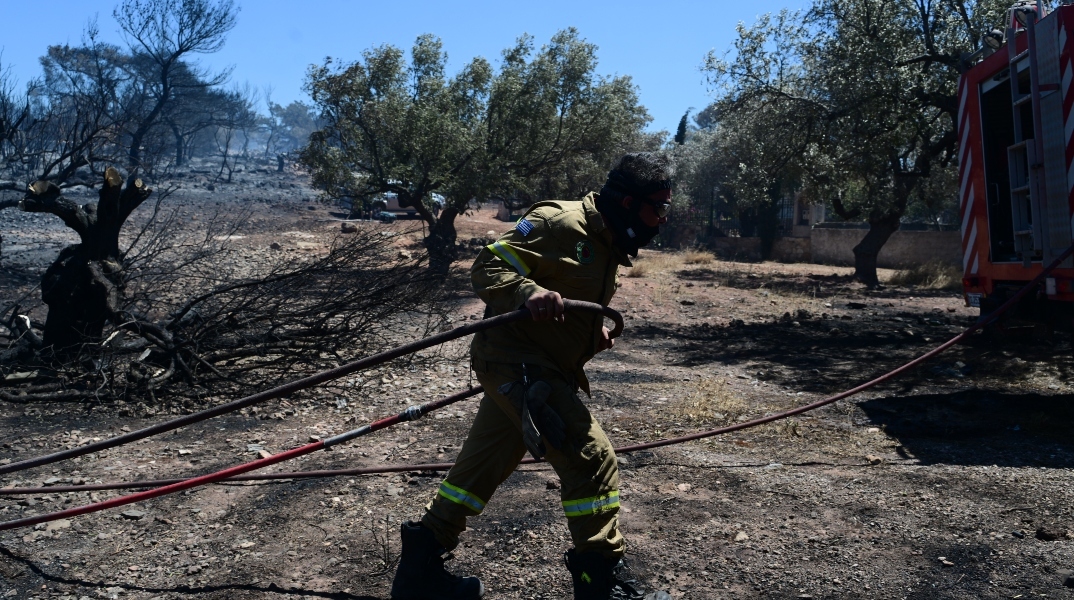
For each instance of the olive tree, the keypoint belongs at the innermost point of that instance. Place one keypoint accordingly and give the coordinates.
(83, 286)
(877, 81)
(745, 155)
(404, 128)
(540, 127)
(554, 125)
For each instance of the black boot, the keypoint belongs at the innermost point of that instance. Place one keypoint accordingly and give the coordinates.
(421, 574)
(599, 578)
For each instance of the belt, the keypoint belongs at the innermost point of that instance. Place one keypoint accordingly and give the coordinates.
(532, 371)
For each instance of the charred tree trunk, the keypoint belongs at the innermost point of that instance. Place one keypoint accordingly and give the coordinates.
(134, 153)
(442, 235)
(180, 145)
(83, 286)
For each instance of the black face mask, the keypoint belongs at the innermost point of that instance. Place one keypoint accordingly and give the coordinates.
(629, 232)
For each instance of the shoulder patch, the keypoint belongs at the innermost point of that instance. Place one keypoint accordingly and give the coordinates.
(584, 250)
(524, 227)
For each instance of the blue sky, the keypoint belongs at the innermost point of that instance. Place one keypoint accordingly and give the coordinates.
(660, 44)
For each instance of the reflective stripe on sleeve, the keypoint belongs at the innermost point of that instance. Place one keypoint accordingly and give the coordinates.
(508, 254)
(591, 506)
(461, 496)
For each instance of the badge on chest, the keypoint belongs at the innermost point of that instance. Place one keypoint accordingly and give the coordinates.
(584, 251)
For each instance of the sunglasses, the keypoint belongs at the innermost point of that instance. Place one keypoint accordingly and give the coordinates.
(660, 207)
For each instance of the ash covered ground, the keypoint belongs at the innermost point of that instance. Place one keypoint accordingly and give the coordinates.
(953, 481)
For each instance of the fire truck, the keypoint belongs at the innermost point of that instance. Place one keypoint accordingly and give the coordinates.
(1016, 164)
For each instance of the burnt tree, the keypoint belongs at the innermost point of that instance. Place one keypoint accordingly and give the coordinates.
(83, 286)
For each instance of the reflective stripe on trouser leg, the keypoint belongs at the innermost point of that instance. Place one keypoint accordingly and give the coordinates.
(591, 506)
(492, 450)
(461, 496)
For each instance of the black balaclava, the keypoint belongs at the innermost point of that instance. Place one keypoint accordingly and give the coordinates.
(629, 232)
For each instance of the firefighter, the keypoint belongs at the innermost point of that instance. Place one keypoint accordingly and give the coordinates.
(532, 370)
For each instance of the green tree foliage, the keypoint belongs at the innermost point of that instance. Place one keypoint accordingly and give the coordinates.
(746, 156)
(544, 125)
(554, 125)
(407, 129)
(680, 132)
(861, 94)
(289, 127)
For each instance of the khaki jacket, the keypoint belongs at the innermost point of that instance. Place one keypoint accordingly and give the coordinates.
(565, 248)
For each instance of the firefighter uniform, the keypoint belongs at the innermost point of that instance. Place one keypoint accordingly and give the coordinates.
(565, 247)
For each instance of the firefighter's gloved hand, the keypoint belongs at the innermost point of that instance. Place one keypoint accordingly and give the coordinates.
(538, 419)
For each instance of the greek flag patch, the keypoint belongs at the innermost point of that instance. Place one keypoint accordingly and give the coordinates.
(524, 227)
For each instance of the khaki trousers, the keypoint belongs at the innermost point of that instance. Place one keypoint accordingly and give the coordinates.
(587, 469)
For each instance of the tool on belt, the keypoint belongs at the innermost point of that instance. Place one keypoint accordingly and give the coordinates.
(540, 422)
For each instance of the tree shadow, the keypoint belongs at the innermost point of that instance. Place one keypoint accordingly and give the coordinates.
(810, 353)
(977, 427)
(818, 285)
(970, 426)
(271, 590)
(820, 356)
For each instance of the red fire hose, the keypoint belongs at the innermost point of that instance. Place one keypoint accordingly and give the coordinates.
(410, 414)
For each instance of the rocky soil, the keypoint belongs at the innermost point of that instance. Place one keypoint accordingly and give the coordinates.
(951, 482)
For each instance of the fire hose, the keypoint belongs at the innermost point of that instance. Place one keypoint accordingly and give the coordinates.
(306, 382)
(171, 486)
(410, 414)
(276, 392)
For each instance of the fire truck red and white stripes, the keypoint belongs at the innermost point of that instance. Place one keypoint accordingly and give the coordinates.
(966, 188)
(1066, 69)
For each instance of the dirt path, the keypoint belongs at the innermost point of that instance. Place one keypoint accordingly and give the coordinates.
(952, 482)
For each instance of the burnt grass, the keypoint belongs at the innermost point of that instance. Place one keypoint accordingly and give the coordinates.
(952, 481)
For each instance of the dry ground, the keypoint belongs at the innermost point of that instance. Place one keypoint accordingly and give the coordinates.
(951, 482)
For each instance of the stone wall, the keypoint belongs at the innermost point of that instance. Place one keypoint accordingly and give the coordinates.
(903, 249)
(792, 250)
(738, 248)
(786, 249)
(680, 235)
(836, 247)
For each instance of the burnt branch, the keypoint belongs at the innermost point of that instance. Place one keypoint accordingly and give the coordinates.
(191, 317)
(46, 393)
(45, 197)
